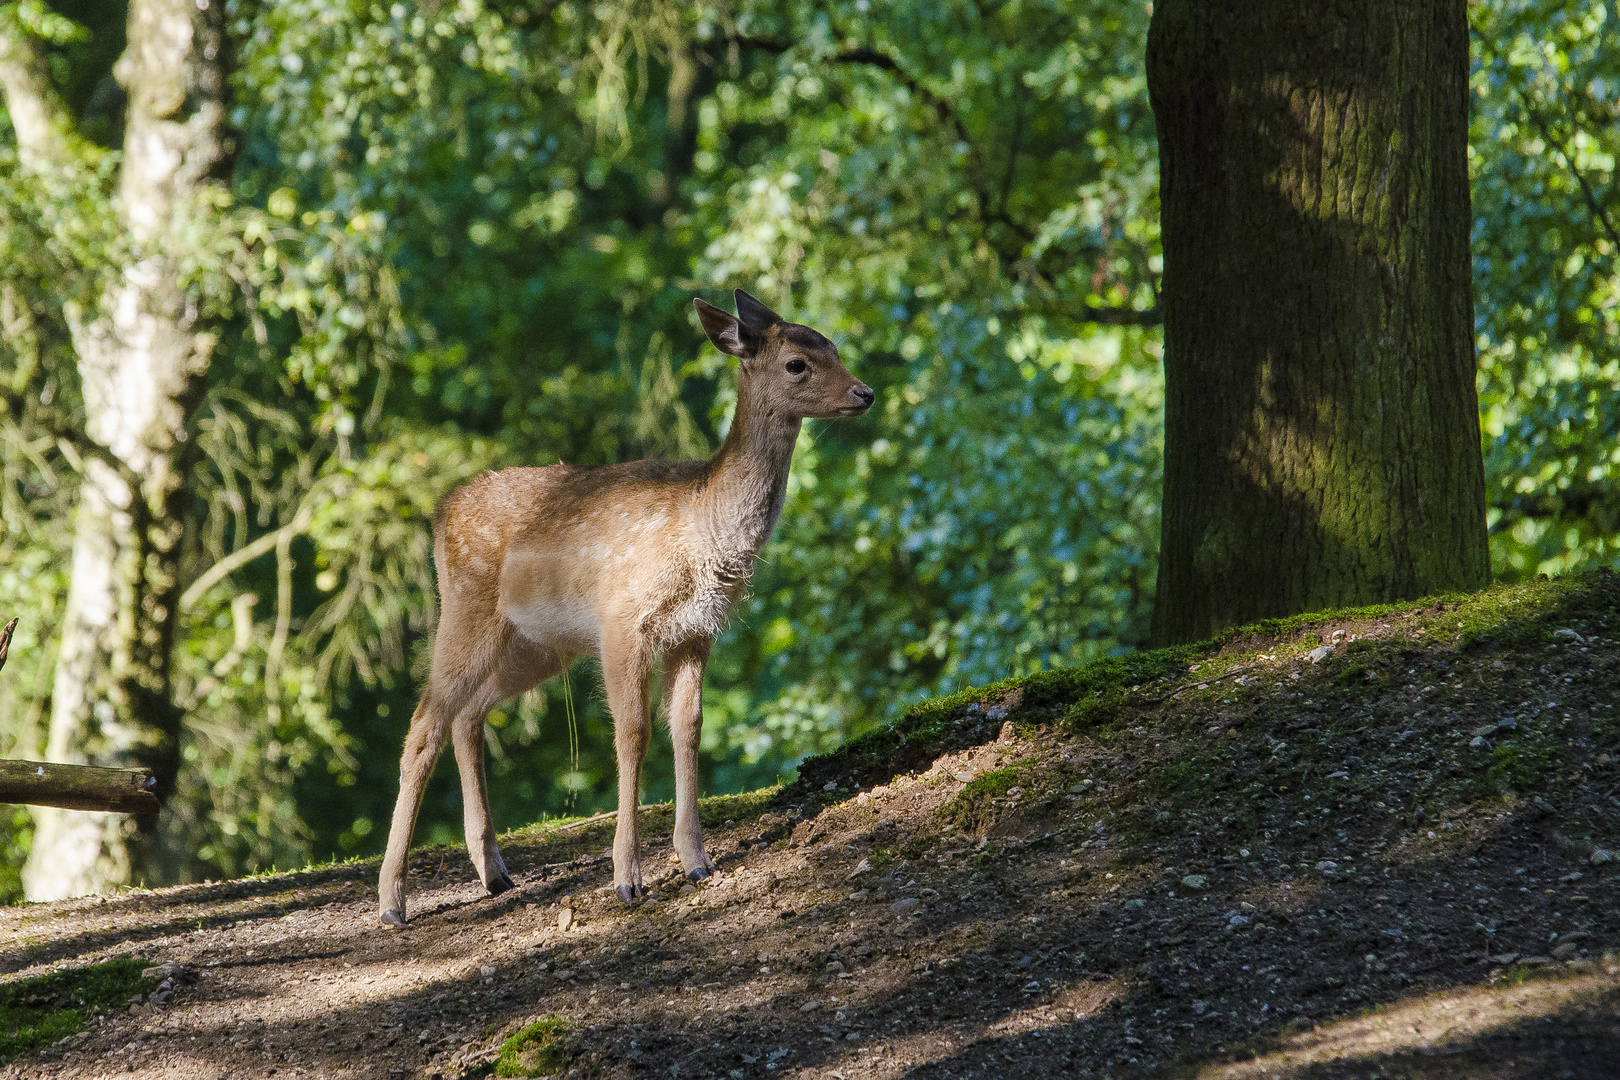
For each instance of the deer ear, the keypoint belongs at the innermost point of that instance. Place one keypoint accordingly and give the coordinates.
(754, 315)
(728, 335)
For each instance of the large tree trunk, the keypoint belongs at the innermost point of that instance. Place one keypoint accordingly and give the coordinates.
(1321, 421)
(142, 357)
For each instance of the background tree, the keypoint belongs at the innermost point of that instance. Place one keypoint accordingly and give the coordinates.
(1321, 418)
(123, 265)
(141, 352)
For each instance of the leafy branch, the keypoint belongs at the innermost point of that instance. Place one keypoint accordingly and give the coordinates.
(1592, 202)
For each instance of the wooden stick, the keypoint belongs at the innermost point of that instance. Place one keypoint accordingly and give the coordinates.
(79, 787)
(5, 640)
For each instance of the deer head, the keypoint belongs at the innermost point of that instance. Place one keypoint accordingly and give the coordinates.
(786, 368)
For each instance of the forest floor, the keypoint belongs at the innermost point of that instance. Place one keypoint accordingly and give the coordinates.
(1367, 844)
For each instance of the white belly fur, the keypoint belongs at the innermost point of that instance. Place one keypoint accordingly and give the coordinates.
(668, 589)
(558, 625)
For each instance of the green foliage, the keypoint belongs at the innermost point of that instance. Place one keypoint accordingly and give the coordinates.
(552, 185)
(541, 1049)
(1349, 673)
(39, 1011)
(1544, 141)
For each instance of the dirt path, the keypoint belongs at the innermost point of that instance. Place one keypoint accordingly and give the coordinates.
(1284, 869)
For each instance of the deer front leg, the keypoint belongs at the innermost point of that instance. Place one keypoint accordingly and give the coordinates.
(683, 706)
(467, 736)
(624, 675)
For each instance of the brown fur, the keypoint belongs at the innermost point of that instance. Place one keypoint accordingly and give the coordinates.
(633, 562)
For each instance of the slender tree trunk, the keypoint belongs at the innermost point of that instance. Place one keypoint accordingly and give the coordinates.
(142, 357)
(1321, 421)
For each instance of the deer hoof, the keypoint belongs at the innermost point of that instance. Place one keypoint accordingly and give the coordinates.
(500, 885)
(699, 874)
(394, 917)
(627, 893)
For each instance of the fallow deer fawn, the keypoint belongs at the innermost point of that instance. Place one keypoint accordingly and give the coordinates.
(538, 567)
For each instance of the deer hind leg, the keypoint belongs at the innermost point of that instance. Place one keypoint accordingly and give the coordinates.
(683, 706)
(423, 743)
(463, 662)
(624, 676)
(520, 666)
(463, 652)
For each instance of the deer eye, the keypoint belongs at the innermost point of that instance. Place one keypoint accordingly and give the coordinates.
(795, 366)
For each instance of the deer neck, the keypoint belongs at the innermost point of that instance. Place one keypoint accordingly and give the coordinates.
(747, 478)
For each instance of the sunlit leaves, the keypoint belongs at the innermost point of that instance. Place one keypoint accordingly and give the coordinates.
(1546, 101)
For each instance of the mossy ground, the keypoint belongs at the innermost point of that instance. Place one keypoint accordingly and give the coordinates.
(42, 1010)
(539, 1049)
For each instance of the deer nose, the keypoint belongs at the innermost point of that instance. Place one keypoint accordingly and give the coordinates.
(865, 393)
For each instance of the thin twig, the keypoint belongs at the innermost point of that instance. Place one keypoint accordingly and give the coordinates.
(244, 555)
(603, 816)
(1586, 189)
(278, 640)
(1204, 684)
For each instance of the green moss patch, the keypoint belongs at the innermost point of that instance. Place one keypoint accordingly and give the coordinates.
(541, 1049)
(1520, 766)
(40, 1011)
(973, 806)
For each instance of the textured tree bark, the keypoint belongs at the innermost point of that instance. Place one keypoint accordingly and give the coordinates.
(142, 357)
(1321, 420)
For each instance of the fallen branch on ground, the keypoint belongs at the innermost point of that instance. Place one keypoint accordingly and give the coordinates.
(79, 787)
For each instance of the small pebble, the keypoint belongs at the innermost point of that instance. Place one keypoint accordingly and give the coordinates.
(1195, 881)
